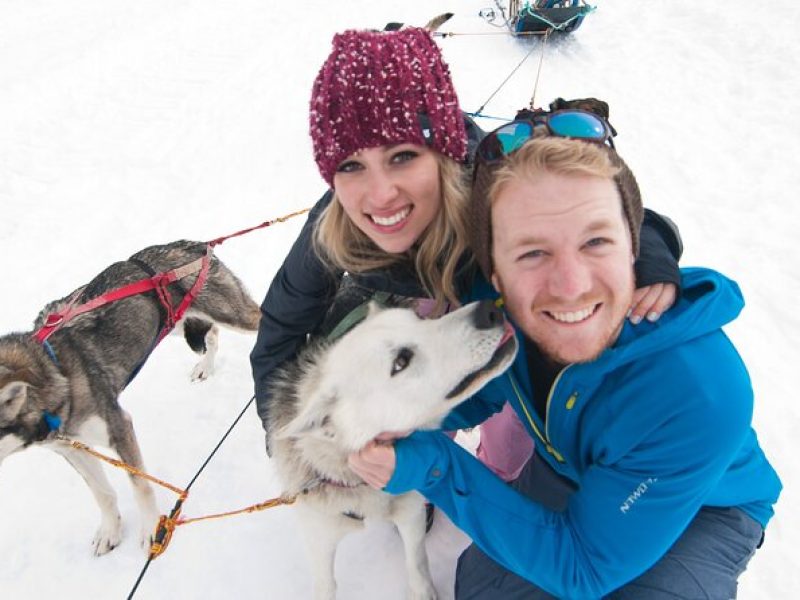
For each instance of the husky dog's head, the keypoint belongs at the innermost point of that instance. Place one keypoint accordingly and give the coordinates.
(13, 394)
(397, 372)
(22, 409)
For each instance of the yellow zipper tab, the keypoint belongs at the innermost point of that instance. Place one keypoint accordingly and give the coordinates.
(572, 400)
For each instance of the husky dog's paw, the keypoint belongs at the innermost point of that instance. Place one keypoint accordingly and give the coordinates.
(423, 594)
(108, 537)
(202, 371)
(147, 535)
(324, 590)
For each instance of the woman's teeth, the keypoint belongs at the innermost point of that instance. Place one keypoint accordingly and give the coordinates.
(392, 219)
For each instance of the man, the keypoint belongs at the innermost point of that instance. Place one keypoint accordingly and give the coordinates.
(647, 480)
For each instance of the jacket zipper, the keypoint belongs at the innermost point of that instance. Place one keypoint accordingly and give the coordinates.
(526, 409)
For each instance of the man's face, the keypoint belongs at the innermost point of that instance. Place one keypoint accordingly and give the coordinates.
(563, 261)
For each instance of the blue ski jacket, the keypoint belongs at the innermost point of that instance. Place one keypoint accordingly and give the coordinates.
(655, 428)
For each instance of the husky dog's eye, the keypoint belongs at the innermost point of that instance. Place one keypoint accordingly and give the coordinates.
(401, 361)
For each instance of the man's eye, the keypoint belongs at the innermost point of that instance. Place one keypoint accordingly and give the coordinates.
(597, 242)
(401, 360)
(348, 166)
(531, 254)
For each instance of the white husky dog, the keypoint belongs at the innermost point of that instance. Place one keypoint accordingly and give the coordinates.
(392, 372)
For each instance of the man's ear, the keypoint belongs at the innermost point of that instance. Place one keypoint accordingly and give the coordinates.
(496, 283)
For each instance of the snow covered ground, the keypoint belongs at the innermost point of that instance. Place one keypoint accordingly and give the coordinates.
(131, 123)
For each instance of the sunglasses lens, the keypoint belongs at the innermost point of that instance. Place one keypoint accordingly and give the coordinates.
(507, 139)
(514, 135)
(577, 125)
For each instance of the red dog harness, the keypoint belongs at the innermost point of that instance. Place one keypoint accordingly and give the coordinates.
(158, 282)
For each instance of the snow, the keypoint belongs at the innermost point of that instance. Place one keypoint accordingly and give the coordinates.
(131, 123)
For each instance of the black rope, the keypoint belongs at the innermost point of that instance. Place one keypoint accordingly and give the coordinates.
(178, 504)
(478, 112)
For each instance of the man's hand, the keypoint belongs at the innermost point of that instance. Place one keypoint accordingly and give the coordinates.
(651, 301)
(375, 462)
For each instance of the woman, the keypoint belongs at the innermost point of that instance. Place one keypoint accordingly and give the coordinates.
(390, 140)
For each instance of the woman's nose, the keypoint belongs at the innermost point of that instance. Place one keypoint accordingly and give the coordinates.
(382, 188)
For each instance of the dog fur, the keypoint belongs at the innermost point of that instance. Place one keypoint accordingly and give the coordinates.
(94, 357)
(392, 372)
(433, 25)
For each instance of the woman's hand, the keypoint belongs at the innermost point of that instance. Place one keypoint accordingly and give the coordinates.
(651, 301)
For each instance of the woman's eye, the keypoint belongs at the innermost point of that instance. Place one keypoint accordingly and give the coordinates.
(348, 166)
(404, 156)
(401, 360)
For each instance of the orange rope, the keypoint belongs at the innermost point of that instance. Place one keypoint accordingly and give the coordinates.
(167, 524)
(271, 503)
(123, 465)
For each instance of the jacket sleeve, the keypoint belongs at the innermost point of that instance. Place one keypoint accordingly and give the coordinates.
(295, 305)
(626, 514)
(475, 410)
(660, 249)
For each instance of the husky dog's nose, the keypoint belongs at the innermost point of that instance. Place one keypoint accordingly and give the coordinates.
(487, 315)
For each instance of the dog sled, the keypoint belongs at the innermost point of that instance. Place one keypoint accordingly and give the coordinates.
(541, 16)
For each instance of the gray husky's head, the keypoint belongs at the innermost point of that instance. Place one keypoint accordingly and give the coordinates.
(397, 372)
(31, 388)
(14, 429)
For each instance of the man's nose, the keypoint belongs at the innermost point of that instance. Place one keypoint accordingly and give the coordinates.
(571, 277)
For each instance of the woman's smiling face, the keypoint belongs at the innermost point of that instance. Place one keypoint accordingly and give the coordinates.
(391, 193)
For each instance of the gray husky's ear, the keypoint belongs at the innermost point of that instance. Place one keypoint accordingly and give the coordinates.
(314, 420)
(12, 396)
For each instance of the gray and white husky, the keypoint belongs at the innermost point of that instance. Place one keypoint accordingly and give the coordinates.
(72, 385)
(392, 372)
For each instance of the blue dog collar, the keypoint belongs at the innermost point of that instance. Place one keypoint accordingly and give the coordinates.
(53, 421)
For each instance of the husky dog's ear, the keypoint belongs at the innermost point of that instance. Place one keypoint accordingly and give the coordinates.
(314, 420)
(373, 308)
(12, 397)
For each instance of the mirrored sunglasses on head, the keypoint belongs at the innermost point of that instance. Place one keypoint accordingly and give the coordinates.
(570, 123)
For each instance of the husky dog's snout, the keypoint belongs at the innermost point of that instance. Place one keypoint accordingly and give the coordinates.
(487, 315)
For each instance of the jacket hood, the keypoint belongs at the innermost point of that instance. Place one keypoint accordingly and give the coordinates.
(708, 301)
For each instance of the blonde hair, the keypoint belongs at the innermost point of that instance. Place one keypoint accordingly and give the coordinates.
(436, 255)
(551, 154)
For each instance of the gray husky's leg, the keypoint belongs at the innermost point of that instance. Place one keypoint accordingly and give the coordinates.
(322, 533)
(205, 367)
(409, 516)
(109, 534)
(202, 335)
(124, 442)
